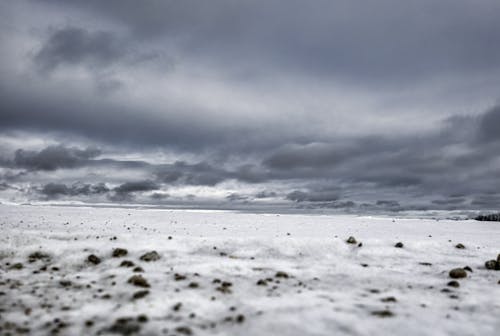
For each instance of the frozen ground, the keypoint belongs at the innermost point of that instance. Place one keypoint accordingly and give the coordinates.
(224, 273)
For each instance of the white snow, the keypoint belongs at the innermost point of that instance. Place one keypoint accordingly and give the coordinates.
(328, 291)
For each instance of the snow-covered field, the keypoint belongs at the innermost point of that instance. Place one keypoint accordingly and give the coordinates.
(229, 273)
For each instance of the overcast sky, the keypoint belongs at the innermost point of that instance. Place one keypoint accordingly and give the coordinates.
(338, 104)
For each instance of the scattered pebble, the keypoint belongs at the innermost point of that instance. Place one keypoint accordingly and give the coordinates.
(389, 299)
(281, 274)
(127, 263)
(150, 256)
(458, 273)
(65, 283)
(125, 326)
(184, 330)
(139, 281)
(38, 255)
(193, 285)
(93, 259)
(179, 277)
(351, 240)
(493, 264)
(140, 294)
(16, 266)
(119, 252)
(383, 313)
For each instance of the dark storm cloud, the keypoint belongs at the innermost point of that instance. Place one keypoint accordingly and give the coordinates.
(234, 197)
(266, 194)
(335, 39)
(316, 100)
(178, 173)
(316, 155)
(159, 196)
(207, 174)
(55, 190)
(313, 196)
(487, 201)
(489, 130)
(450, 201)
(382, 40)
(104, 121)
(137, 186)
(73, 45)
(128, 190)
(404, 164)
(191, 174)
(5, 186)
(54, 157)
(387, 203)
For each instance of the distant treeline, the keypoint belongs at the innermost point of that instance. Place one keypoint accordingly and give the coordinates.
(489, 218)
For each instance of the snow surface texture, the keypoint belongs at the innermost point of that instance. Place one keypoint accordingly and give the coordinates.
(227, 273)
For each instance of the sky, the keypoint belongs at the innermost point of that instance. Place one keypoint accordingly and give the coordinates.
(343, 104)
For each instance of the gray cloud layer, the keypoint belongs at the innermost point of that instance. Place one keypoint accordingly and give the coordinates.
(332, 104)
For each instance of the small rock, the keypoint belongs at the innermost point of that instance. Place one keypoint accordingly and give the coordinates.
(399, 245)
(38, 256)
(179, 277)
(262, 282)
(142, 318)
(17, 266)
(460, 246)
(453, 283)
(119, 252)
(468, 269)
(458, 273)
(127, 263)
(223, 289)
(351, 240)
(93, 259)
(138, 269)
(226, 284)
(139, 281)
(281, 274)
(491, 264)
(184, 330)
(383, 313)
(193, 285)
(124, 326)
(140, 294)
(65, 283)
(150, 256)
(240, 318)
(389, 299)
